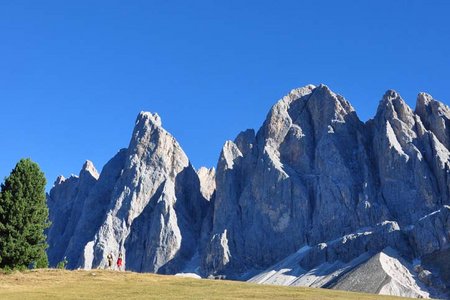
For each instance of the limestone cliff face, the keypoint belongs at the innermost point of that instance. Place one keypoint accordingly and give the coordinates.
(93, 213)
(312, 177)
(410, 160)
(315, 173)
(65, 214)
(147, 199)
(305, 177)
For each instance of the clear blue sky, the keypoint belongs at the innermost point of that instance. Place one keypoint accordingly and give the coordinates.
(75, 74)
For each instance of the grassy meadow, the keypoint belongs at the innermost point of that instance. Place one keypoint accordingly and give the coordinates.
(102, 284)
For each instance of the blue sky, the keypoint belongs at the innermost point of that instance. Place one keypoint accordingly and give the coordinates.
(75, 74)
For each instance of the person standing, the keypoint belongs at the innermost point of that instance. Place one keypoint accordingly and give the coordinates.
(119, 262)
(110, 260)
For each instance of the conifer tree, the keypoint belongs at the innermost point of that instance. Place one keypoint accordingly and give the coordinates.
(23, 217)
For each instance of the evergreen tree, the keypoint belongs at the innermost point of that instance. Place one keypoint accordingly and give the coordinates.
(23, 217)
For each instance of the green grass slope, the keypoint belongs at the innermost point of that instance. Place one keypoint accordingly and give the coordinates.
(100, 284)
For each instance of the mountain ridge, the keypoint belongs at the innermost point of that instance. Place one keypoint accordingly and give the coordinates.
(313, 172)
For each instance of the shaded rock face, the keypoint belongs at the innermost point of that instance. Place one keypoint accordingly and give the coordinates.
(312, 176)
(65, 216)
(375, 259)
(305, 177)
(412, 163)
(94, 211)
(432, 232)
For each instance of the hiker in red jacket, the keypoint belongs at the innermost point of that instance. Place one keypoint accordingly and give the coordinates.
(119, 262)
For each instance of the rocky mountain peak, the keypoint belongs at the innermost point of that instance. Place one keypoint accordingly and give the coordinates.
(89, 167)
(60, 179)
(149, 118)
(423, 100)
(66, 201)
(435, 116)
(392, 106)
(329, 105)
(152, 146)
(155, 182)
(317, 102)
(426, 104)
(230, 152)
(245, 141)
(297, 93)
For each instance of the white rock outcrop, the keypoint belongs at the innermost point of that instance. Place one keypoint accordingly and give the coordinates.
(207, 179)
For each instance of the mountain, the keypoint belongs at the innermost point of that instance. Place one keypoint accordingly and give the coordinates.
(147, 198)
(315, 197)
